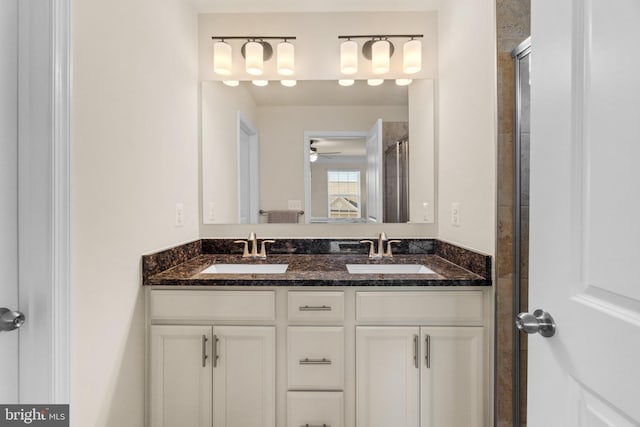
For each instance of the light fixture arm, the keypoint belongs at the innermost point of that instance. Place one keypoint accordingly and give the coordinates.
(382, 36)
(253, 38)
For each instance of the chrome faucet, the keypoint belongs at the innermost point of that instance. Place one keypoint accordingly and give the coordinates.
(253, 240)
(381, 252)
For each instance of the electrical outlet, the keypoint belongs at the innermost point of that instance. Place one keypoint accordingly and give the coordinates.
(179, 215)
(295, 205)
(212, 211)
(425, 211)
(455, 214)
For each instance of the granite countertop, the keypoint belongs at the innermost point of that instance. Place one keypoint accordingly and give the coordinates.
(306, 269)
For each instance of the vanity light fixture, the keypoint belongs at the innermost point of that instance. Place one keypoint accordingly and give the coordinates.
(288, 83)
(260, 83)
(255, 52)
(380, 56)
(222, 58)
(346, 82)
(379, 50)
(231, 83)
(375, 82)
(412, 56)
(403, 82)
(286, 58)
(254, 62)
(349, 57)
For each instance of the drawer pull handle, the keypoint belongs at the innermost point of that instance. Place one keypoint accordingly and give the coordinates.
(315, 308)
(315, 425)
(215, 351)
(427, 355)
(416, 350)
(307, 361)
(204, 350)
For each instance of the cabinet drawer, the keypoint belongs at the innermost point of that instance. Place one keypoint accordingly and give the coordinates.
(316, 306)
(212, 305)
(315, 358)
(315, 409)
(430, 307)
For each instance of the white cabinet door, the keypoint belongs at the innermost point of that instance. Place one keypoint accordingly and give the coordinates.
(451, 378)
(387, 377)
(180, 386)
(244, 376)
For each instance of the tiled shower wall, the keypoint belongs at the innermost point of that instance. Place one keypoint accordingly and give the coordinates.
(513, 19)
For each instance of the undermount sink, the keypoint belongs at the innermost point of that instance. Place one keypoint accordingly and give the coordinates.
(246, 269)
(388, 269)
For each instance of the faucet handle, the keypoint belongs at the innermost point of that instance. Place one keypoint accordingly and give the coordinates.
(245, 252)
(263, 248)
(370, 242)
(252, 236)
(389, 242)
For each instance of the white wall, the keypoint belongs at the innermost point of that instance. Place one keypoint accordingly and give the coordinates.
(466, 122)
(134, 155)
(282, 136)
(219, 148)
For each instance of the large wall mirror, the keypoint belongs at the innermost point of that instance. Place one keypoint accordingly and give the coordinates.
(331, 154)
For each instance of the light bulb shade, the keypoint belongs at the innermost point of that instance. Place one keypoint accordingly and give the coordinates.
(288, 83)
(375, 82)
(286, 59)
(380, 54)
(313, 156)
(253, 58)
(412, 56)
(232, 83)
(260, 83)
(349, 57)
(403, 82)
(346, 82)
(222, 58)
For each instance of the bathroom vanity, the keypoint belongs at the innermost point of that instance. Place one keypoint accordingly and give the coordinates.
(317, 345)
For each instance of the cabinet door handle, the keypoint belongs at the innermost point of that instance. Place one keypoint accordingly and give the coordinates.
(416, 349)
(427, 355)
(204, 350)
(215, 351)
(315, 425)
(307, 361)
(315, 308)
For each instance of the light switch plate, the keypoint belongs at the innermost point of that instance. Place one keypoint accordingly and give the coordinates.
(179, 215)
(294, 205)
(455, 214)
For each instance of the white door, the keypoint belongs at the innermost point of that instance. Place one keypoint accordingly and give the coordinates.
(374, 173)
(244, 384)
(180, 386)
(451, 377)
(387, 376)
(9, 194)
(248, 172)
(585, 213)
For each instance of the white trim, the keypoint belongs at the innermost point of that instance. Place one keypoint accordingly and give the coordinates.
(44, 200)
(61, 33)
(244, 125)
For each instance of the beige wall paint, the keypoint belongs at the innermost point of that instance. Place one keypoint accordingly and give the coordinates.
(467, 123)
(134, 155)
(282, 149)
(219, 151)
